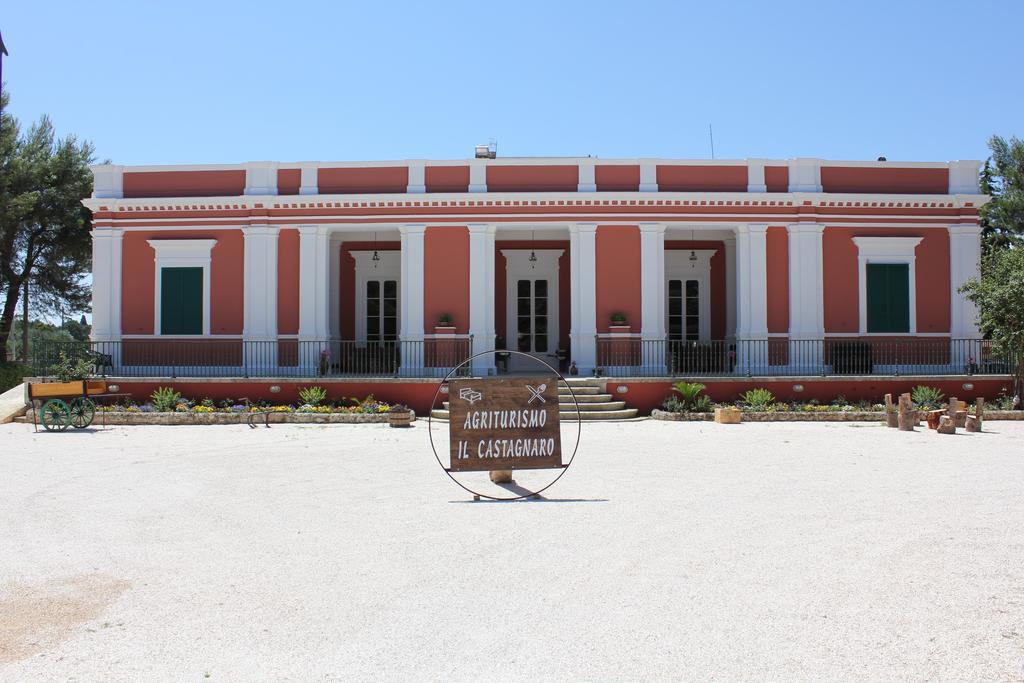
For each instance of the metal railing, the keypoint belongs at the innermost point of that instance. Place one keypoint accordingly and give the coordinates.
(176, 358)
(634, 357)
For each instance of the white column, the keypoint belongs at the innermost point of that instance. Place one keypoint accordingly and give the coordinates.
(648, 176)
(314, 252)
(481, 295)
(755, 176)
(652, 297)
(587, 181)
(417, 183)
(806, 300)
(410, 328)
(309, 177)
(730, 287)
(583, 276)
(106, 292)
(752, 309)
(964, 264)
(259, 308)
(477, 175)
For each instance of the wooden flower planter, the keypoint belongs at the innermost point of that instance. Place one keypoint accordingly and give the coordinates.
(403, 419)
(728, 416)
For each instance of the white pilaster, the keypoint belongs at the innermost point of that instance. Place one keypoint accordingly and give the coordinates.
(963, 177)
(752, 309)
(587, 181)
(417, 178)
(106, 290)
(259, 307)
(107, 181)
(261, 177)
(804, 175)
(314, 252)
(652, 281)
(755, 176)
(481, 294)
(730, 287)
(583, 275)
(964, 264)
(309, 178)
(648, 176)
(806, 300)
(334, 290)
(477, 175)
(411, 324)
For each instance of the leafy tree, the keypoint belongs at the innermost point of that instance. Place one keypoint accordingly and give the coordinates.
(38, 333)
(999, 296)
(1002, 219)
(44, 229)
(78, 329)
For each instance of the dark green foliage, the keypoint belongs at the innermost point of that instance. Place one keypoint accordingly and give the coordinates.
(1002, 219)
(689, 400)
(73, 367)
(165, 399)
(44, 229)
(928, 398)
(11, 375)
(759, 399)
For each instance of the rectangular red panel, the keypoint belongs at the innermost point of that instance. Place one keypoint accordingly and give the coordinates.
(885, 180)
(777, 276)
(184, 184)
(369, 180)
(702, 178)
(776, 178)
(532, 178)
(617, 178)
(618, 275)
(288, 282)
(446, 277)
(447, 178)
(289, 180)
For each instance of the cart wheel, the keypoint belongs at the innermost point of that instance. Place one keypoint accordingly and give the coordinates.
(56, 416)
(83, 410)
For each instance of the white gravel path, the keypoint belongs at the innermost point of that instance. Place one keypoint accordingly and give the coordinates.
(669, 550)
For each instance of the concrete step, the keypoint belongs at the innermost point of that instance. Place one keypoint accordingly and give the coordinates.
(566, 399)
(580, 390)
(12, 403)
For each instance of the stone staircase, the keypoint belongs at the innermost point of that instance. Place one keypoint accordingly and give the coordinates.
(594, 403)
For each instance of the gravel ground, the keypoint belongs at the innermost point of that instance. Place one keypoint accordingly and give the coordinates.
(668, 550)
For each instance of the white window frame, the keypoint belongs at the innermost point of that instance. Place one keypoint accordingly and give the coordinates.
(679, 267)
(389, 267)
(182, 254)
(892, 250)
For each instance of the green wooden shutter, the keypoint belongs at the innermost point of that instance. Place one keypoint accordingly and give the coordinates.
(181, 301)
(888, 292)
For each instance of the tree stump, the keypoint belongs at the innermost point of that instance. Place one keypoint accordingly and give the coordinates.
(907, 414)
(933, 418)
(946, 425)
(974, 421)
(891, 418)
(501, 476)
(960, 419)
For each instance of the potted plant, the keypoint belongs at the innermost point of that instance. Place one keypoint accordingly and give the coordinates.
(728, 415)
(400, 416)
(445, 324)
(619, 324)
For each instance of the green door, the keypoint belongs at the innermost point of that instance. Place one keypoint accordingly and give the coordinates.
(181, 301)
(888, 286)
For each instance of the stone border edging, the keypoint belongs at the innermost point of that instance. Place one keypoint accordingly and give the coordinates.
(830, 416)
(123, 418)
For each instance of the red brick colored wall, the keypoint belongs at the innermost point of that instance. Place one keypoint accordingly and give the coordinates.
(446, 276)
(184, 184)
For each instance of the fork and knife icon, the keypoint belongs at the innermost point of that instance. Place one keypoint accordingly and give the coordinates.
(536, 393)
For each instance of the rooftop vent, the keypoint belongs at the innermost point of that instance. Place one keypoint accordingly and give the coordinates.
(488, 151)
(882, 159)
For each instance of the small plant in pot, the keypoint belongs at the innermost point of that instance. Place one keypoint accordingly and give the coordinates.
(619, 323)
(400, 416)
(445, 324)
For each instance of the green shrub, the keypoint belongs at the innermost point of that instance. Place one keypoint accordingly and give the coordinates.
(11, 375)
(759, 399)
(165, 399)
(690, 400)
(928, 398)
(312, 396)
(69, 369)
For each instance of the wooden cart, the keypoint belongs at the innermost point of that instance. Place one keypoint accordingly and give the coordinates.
(60, 405)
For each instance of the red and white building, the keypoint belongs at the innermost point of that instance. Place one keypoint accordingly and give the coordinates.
(806, 271)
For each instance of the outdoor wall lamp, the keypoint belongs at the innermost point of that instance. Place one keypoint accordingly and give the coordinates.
(798, 388)
(274, 389)
(967, 386)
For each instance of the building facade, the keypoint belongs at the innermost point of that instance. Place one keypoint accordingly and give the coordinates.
(631, 268)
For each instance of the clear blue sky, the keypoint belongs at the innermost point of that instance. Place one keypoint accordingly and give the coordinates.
(211, 82)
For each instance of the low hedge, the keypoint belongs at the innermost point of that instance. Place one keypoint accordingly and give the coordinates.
(11, 375)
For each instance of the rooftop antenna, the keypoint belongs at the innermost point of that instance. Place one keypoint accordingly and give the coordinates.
(711, 134)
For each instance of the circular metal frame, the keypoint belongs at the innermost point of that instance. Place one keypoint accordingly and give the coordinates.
(60, 415)
(83, 412)
(529, 494)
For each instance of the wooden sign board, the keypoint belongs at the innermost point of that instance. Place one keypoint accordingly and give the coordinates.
(504, 424)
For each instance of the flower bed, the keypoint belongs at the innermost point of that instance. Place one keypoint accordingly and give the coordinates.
(222, 418)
